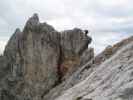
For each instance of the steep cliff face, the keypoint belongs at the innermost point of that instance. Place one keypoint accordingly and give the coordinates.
(41, 52)
(32, 56)
(3, 69)
(74, 43)
(39, 58)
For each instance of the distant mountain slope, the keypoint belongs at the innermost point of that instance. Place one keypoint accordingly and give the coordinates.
(111, 50)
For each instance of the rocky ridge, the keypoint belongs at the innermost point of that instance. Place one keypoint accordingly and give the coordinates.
(112, 80)
(40, 63)
(39, 58)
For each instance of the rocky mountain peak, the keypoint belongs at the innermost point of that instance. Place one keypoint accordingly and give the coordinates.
(41, 63)
(34, 20)
(39, 58)
(17, 31)
(32, 23)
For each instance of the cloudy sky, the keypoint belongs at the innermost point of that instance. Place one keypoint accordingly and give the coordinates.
(109, 21)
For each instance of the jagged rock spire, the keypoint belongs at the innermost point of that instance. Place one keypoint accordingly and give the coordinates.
(17, 30)
(32, 22)
(12, 43)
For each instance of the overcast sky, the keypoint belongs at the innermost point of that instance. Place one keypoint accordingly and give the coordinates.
(109, 21)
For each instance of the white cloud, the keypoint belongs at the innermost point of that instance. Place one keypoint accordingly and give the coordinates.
(108, 20)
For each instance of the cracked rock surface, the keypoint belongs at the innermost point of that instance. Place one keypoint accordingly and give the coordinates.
(40, 63)
(39, 58)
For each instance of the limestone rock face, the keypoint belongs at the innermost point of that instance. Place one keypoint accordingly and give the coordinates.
(39, 58)
(12, 55)
(41, 63)
(73, 44)
(32, 57)
(74, 41)
(87, 55)
(41, 51)
(75, 53)
(3, 68)
(111, 80)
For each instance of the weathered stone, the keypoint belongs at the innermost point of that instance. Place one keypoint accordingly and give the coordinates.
(87, 55)
(73, 44)
(40, 53)
(39, 57)
(40, 63)
(112, 80)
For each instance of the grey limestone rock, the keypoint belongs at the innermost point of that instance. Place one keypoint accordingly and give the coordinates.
(111, 80)
(41, 63)
(35, 59)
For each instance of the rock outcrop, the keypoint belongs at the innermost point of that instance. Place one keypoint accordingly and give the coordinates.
(32, 57)
(74, 43)
(40, 63)
(84, 73)
(111, 80)
(39, 58)
(111, 50)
